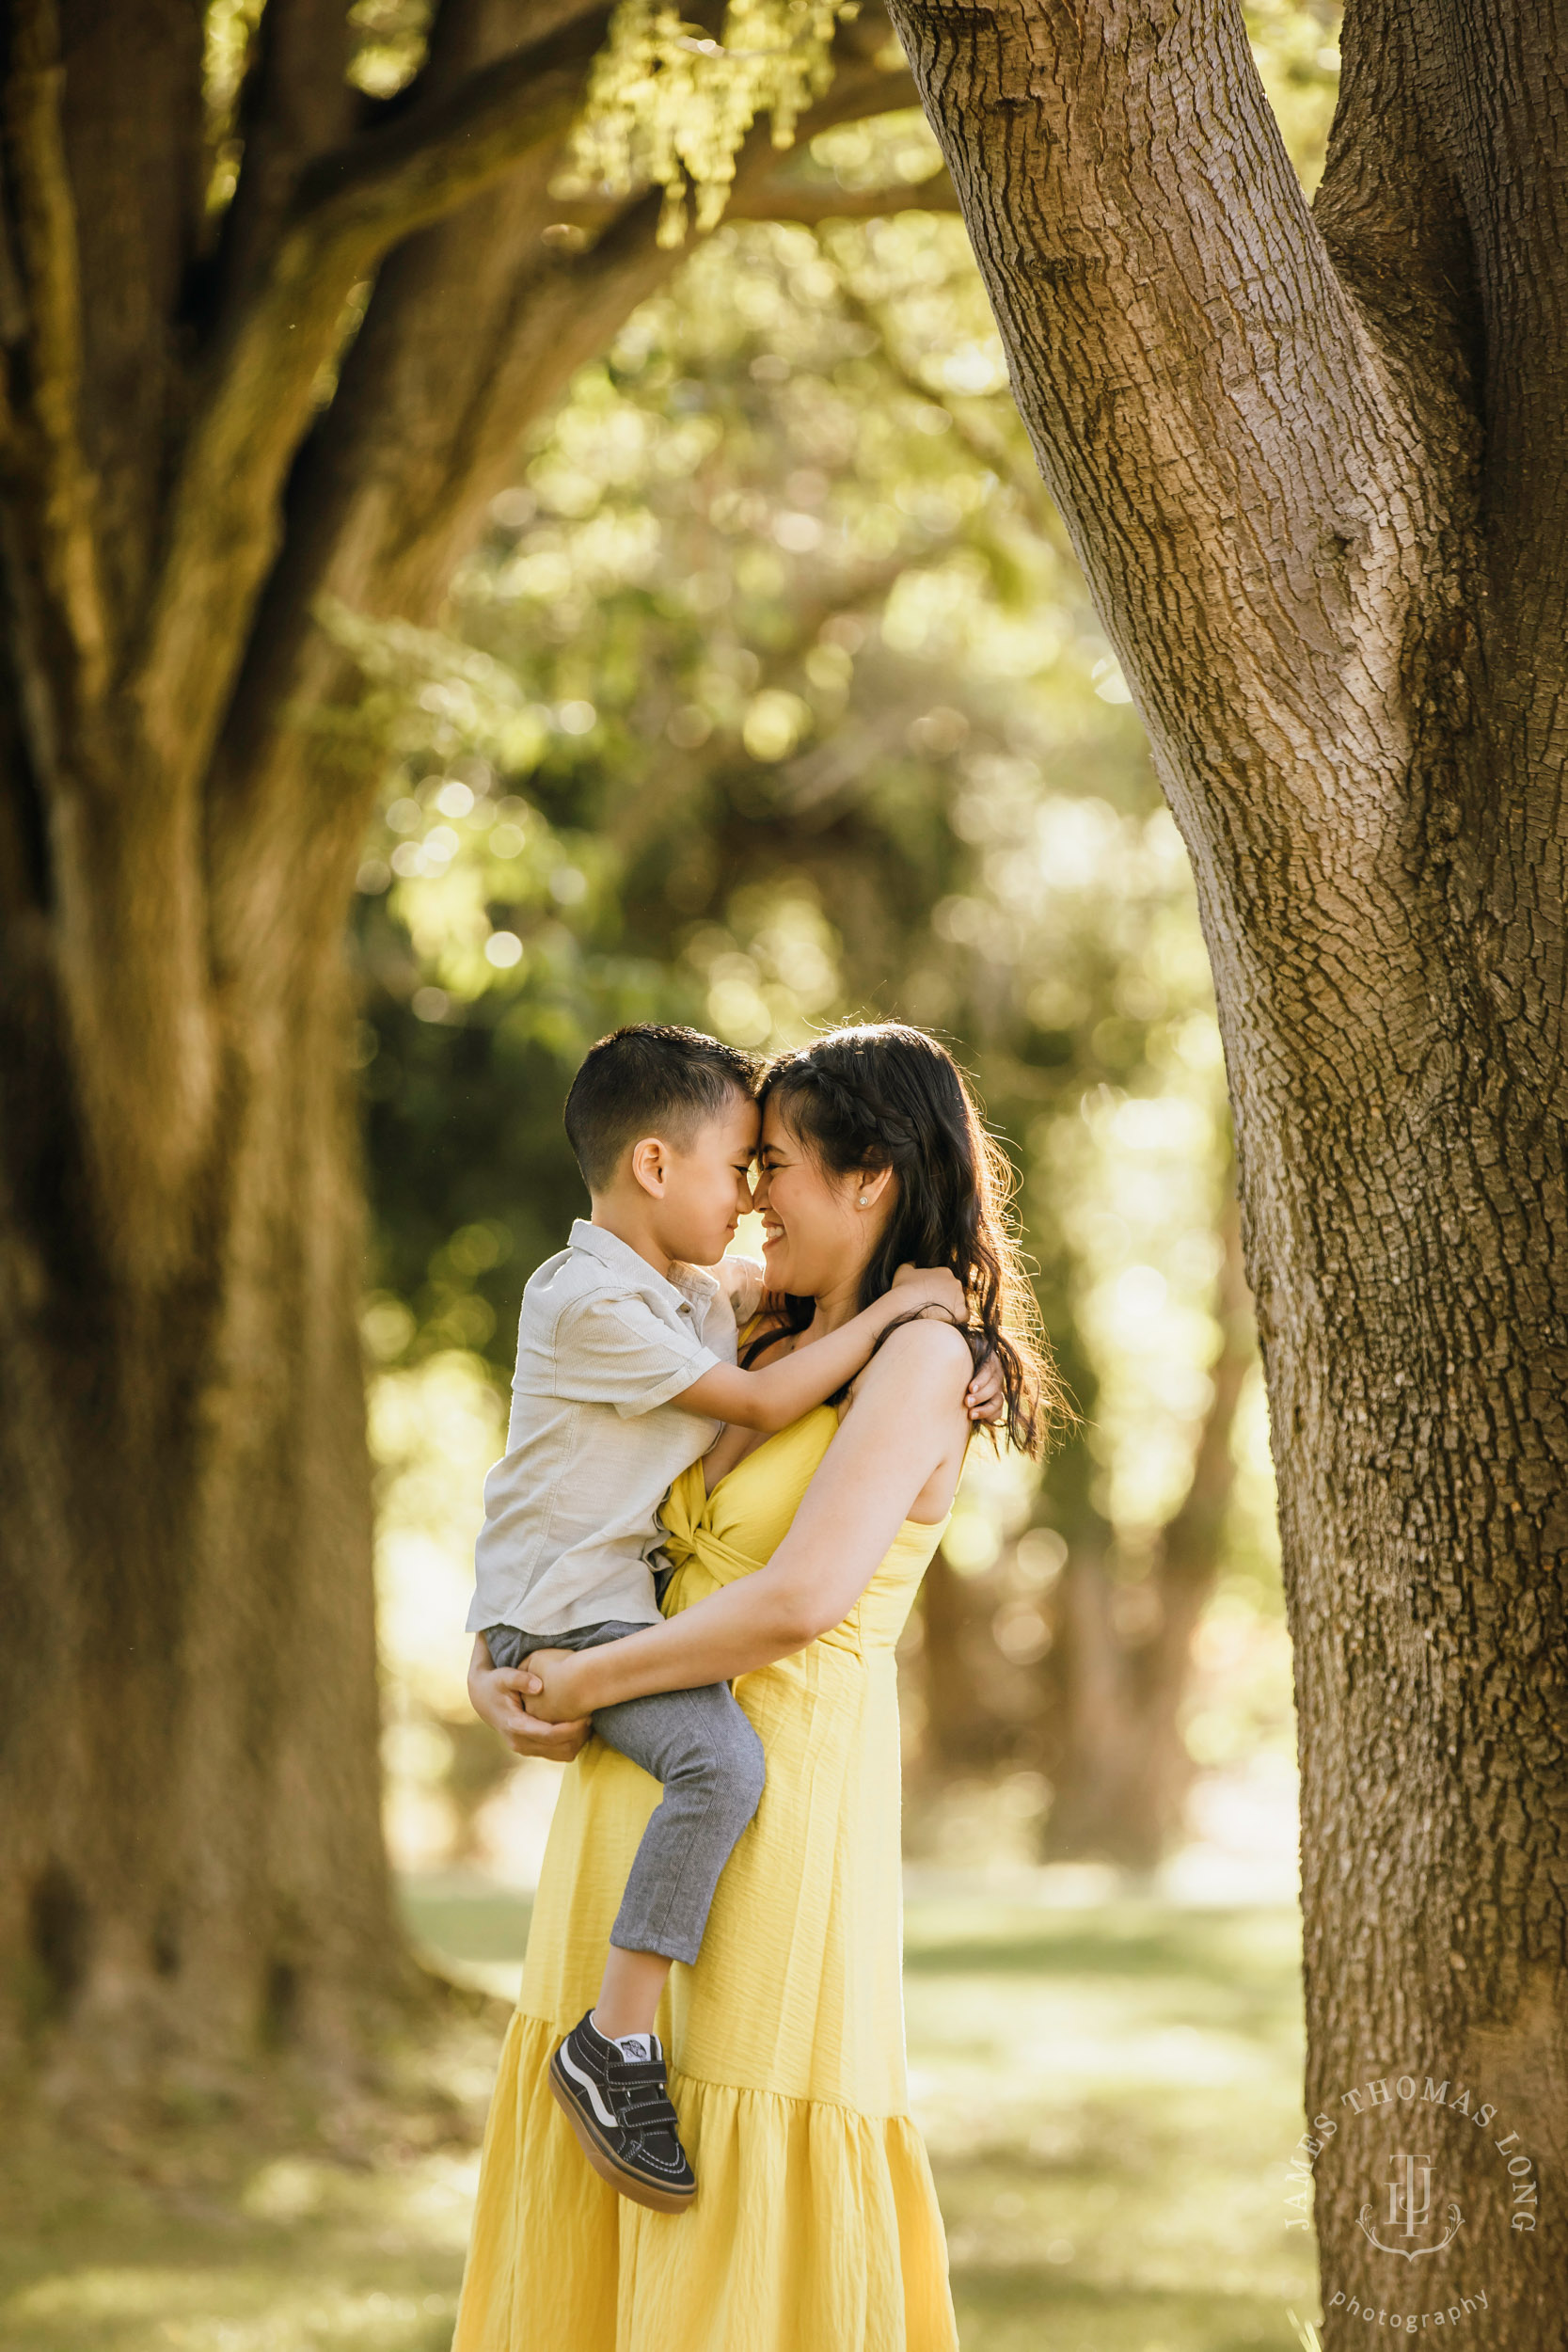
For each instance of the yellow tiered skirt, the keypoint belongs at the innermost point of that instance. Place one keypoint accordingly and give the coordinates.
(816, 2225)
(815, 2230)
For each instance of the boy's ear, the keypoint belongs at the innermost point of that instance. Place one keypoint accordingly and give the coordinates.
(649, 1165)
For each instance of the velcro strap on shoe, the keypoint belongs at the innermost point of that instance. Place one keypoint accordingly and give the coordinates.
(641, 2098)
(647, 2109)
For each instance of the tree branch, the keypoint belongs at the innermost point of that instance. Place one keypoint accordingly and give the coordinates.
(224, 525)
(48, 456)
(864, 84)
(806, 201)
(295, 106)
(421, 167)
(1388, 204)
(467, 35)
(411, 171)
(392, 485)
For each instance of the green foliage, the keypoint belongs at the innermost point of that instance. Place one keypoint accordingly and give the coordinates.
(668, 107)
(774, 693)
(1296, 46)
(389, 43)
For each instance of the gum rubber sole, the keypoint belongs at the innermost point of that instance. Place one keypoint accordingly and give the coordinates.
(630, 2184)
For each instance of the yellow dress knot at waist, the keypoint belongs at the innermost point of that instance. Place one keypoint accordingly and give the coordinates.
(713, 1538)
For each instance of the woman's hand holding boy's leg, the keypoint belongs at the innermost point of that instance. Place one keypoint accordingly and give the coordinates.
(496, 1694)
(551, 1681)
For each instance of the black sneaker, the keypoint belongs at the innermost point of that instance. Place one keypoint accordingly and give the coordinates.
(620, 2110)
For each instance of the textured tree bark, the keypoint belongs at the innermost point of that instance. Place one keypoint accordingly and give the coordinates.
(1313, 464)
(190, 1852)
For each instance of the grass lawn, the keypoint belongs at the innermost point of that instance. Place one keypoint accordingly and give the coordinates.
(1109, 2093)
(1109, 2096)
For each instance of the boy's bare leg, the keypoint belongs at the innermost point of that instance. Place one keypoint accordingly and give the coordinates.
(629, 1994)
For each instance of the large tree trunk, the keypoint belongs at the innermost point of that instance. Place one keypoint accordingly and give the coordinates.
(189, 1792)
(1314, 468)
(190, 1852)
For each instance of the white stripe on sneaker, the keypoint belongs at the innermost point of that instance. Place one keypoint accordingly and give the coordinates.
(605, 2114)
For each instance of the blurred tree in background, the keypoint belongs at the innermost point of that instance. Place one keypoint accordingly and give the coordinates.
(773, 693)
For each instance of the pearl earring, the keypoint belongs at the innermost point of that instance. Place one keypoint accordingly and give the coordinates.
(865, 1197)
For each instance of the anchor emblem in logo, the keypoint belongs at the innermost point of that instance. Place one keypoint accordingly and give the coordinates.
(1409, 2202)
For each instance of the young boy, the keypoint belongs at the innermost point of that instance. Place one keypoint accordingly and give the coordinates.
(626, 1372)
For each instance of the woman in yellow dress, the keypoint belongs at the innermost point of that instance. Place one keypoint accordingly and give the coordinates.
(815, 2226)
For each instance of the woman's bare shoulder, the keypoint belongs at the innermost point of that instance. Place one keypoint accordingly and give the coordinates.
(928, 1358)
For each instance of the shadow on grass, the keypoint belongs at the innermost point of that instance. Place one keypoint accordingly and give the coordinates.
(1028, 2310)
(1103, 2094)
(188, 2238)
(1148, 1940)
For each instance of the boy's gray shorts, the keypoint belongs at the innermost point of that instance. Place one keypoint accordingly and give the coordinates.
(700, 1745)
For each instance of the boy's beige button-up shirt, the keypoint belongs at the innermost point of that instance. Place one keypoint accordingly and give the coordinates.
(571, 1510)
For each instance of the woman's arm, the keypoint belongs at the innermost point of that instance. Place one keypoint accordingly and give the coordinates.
(907, 1420)
(772, 1397)
(493, 1694)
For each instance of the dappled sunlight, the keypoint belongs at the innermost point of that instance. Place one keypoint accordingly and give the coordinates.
(1109, 2093)
(1109, 2088)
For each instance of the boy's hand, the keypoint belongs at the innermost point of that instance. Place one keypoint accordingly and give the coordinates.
(494, 1695)
(549, 1678)
(931, 1286)
(984, 1398)
(742, 1278)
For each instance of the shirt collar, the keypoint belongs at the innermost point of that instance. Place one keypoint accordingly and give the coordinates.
(610, 1251)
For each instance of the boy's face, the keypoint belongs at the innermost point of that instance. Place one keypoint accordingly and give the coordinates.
(707, 1188)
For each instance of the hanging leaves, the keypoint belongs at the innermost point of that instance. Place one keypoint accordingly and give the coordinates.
(668, 108)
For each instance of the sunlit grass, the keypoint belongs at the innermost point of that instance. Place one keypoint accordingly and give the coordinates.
(1109, 2094)
(190, 2238)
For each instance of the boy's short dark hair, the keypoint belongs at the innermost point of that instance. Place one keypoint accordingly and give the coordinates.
(649, 1079)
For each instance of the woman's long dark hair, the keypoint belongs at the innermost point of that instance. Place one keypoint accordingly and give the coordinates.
(883, 1095)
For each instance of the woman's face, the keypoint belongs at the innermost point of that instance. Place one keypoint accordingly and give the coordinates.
(816, 1237)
